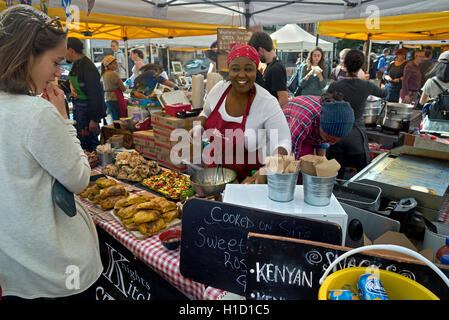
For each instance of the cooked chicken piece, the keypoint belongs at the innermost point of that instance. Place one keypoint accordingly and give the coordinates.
(109, 203)
(170, 215)
(112, 191)
(105, 182)
(143, 216)
(128, 212)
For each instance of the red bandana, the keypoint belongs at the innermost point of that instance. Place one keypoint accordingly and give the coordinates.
(243, 50)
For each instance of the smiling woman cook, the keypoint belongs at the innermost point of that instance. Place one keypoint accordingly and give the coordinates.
(242, 106)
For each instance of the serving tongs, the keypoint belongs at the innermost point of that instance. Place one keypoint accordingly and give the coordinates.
(219, 176)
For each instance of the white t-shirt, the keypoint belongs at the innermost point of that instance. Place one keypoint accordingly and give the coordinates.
(265, 113)
(431, 89)
(40, 246)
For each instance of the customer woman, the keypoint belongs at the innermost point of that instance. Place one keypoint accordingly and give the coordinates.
(313, 77)
(394, 74)
(436, 84)
(113, 88)
(340, 71)
(243, 115)
(136, 56)
(353, 150)
(44, 253)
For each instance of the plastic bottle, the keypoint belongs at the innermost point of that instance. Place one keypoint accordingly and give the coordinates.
(443, 250)
(416, 131)
(444, 259)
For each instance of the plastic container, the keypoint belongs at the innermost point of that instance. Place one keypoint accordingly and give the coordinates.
(443, 250)
(397, 286)
(173, 109)
(318, 190)
(105, 158)
(281, 186)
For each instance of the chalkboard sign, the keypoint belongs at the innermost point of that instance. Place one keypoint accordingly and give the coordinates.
(287, 269)
(225, 37)
(213, 246)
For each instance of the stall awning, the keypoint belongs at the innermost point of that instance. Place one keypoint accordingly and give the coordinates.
(113, 26)
(291, 37)
(422, 26)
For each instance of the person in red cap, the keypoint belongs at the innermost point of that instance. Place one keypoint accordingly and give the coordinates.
(394, 74)
(244, 116)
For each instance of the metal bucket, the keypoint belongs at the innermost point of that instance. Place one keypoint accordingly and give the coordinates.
(281, 186)
(318, 190)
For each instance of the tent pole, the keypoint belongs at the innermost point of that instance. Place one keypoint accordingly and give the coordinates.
(367, 50)
(168, 61)
(125, 39)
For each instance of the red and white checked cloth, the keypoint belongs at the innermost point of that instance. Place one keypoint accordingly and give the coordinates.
(155, 255)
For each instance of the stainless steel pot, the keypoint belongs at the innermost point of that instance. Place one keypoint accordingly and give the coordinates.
(372, 110)
(397, 116)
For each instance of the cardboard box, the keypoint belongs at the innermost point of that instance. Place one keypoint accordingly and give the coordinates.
(165, 161)
(427, 142)
(166, 121)
(144, 138)
(147, 152)
(399, 239)
(162, 136)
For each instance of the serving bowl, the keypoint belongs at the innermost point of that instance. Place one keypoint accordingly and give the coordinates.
(203, 181)
(171, 238)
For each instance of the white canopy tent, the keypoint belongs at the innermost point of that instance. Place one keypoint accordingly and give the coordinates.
(260, 12)
(291, 37)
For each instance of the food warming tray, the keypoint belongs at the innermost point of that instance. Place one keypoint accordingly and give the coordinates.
(358, 194)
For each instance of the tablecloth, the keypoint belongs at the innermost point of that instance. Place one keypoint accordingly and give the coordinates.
(153, 253)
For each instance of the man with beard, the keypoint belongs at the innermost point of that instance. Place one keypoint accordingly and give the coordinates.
(87, 92)
(274, 78)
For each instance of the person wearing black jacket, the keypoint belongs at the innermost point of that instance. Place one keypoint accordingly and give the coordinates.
(274, 79)
(87, 92)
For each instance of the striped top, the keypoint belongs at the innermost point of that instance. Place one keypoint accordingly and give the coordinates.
(303, 118)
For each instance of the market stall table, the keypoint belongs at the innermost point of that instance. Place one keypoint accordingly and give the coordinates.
(152, 252)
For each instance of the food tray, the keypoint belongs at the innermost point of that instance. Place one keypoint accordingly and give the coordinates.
(358, 194)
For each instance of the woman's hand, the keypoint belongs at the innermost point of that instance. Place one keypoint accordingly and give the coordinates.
(195, 132)
(407, 99)
(55, 96)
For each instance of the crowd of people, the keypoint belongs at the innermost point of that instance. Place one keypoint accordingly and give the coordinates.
(48, 147)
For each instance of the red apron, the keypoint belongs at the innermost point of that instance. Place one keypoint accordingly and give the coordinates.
(215, 121)
(122, 103)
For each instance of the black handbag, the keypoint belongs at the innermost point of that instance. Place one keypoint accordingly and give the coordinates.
(439, 109)
(64, 199)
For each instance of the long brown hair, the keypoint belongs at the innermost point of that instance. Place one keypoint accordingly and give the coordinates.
(24, 32)
(321, 63)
